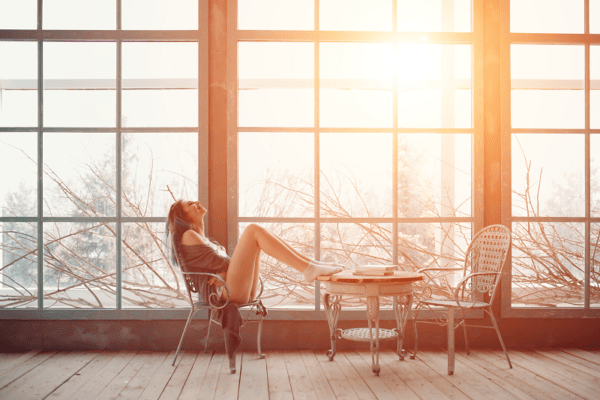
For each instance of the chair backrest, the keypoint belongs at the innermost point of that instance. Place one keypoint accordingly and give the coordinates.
(191, 282)
(487, 253)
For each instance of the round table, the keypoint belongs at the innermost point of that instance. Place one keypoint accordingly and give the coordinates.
(398, 285)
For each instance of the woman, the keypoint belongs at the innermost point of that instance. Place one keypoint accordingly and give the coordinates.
(240, 271)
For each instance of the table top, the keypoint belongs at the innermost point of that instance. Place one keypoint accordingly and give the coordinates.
(348, 277)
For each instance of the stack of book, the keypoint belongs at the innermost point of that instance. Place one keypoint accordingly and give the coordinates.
(375, 270)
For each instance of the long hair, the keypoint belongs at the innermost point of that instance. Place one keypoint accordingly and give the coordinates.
(178, 221)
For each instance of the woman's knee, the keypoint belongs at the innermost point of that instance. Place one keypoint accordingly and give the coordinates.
(254, 230)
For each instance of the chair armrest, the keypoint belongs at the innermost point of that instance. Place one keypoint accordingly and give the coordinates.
(213, 296)
(461, 285)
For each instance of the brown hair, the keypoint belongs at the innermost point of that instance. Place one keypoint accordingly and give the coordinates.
(178, 221)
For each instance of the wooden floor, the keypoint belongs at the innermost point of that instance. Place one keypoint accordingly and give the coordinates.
(539, 374)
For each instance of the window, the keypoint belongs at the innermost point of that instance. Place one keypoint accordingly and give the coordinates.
(551, 124)
(356, 132)
(102, 120)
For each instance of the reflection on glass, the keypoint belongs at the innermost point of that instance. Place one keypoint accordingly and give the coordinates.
(434, 175)
(548, 175)
(20, 14)
(547, 86)
(79, 265)
(18, 189)
(77, 14)
(548, 264)
(79, 174)
(434, 86)
(153, 164)
(595, 266)
(595, 178)
(150, 280)
(18, 262)
(283, 285)
(356, 85)
(595, 86)
(356, 175)
(276, 82)
(434, 16)
(18, 84)
(546, 16)
(160, 14)
(76, 79)
(355, 15)
(276, 174)
(276, 15)
(160, 84)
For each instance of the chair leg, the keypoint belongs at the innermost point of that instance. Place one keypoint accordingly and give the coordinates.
(500, 337)
(416, 314)
(259, 335)
(464, 324)
(192, 312)
(210, 314)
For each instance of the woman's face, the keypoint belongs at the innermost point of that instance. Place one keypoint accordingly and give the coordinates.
(194, 210)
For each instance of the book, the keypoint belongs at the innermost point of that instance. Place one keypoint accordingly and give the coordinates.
(374, 273)
(375, 270)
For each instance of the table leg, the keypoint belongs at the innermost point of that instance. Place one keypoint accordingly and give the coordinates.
(373, 315)
(450, 340)
(332, 312)
(402, 306)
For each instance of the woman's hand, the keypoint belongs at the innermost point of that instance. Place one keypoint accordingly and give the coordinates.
(215, 281)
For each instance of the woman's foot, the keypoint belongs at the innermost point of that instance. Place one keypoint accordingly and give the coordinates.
(314, 269)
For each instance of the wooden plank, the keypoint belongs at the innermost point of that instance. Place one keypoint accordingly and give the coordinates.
(588, 365)
(98, 382)
(300, 382)
(229, 384)
(337, 380)
(191, 390)
(551, 390)
(591, 356)
(122, 379)
(46, 377)
(359, 386)
(161, 377)
(211, 379)
(320, 383)
(13, 360)
(138, 384)
(253, 377)
(437, 379)
(277, 375)
(375, 383)
(77, 380)
(470, 382)
(391, 380)
(577, 364)
(24, 368)
(180, 375)
(413, 379)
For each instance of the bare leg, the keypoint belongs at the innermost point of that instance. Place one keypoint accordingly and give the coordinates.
(256, 277)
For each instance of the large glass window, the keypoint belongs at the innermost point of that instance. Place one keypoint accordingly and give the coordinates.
(100, 128)
(355, 136)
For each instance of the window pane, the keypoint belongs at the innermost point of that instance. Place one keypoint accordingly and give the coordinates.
(153, 164)
(77, 14)
(79, 265)
(356, 85)
(434, 86)
(356, 244)
(160, 14)
(18, 189)
(276, 174)
(548, 264)
(355, 15)
(548, 175)
(546, 16)
(79, 84)
(276, 15)
(434, 16)
(276, 82)
(283, 285)
(18, 84)
(434, 175)
(18, 258)
(20, 14)
(79, 174)
(356, 175)
(594, 16)
(595, 266)
(595, 171)
(149, 278)
(160, 85)
(547, 86)
(595, 87)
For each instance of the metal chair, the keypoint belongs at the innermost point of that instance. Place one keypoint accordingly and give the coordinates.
(214, 304)
(484, 264)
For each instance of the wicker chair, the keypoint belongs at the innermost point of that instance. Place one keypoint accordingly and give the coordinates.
(214, 305)
(484, 264)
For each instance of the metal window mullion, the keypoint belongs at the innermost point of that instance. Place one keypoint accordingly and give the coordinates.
(395, 134)
(317, 156)
(119, 162)
(587, 161)
(40, 166)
